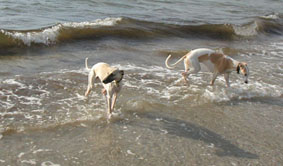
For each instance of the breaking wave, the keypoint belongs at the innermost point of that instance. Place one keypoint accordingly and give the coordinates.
(136, 29)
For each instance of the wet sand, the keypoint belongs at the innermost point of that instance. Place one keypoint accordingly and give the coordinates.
(223, 135)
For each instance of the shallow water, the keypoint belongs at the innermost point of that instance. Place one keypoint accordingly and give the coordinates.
(46, 120)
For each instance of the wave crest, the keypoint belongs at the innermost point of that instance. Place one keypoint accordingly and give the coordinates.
(49, 35)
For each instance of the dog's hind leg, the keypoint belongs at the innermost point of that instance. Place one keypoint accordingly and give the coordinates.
(226, 76)
(196, 68)
(185, 73)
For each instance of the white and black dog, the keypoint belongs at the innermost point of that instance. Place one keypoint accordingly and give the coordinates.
(217, 63)
(110, 78)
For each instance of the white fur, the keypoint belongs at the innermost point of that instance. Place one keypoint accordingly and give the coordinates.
(192, 64)
(110, 90)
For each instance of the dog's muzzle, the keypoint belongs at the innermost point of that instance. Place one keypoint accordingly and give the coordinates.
(246, 79)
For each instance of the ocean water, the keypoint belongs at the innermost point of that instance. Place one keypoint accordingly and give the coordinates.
(158, 120)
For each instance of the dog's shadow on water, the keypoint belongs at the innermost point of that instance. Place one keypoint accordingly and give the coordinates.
(189, 130)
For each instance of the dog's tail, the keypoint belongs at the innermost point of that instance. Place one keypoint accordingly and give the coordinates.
(173, 65)
(86, 66)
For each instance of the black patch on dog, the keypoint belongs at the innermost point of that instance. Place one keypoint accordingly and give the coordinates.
(122, 72)
(113, 75)
(109, 79)
(238, 69)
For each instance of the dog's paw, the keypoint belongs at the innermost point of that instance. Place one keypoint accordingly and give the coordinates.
(109, 116)
(186, 82)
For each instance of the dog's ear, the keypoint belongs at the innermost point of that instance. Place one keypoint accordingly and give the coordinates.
(238, 68)
(109, 78)
(122, 72)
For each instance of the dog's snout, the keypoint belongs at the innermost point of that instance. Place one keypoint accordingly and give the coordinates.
(246, 82)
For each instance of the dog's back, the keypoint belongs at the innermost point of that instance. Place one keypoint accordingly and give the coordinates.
(103, 70)
(200, 53)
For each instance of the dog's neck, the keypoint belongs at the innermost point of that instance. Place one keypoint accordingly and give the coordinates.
(234, 62)
(235, 65)
(117, 83)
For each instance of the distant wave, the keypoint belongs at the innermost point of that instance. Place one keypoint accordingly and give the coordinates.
(137, 29)
(54, 34)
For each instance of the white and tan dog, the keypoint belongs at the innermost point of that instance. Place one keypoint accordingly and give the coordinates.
(110, 78)
(215, 62)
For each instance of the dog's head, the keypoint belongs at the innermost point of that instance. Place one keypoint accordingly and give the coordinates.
(116, 75)
(243, 68)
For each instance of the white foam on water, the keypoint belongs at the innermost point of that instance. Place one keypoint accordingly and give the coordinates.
(58, 102)
(198, 87)
(246, 30)
(47, 36)
(6, 105)
(271, 16)
(41, 109)
(31, 161)
(21, 154)
(238, 91)
(49, 163)
(131, 153)
(41, 150)
(30, 100)
(98, 22)
(14, 82)
(11, 94)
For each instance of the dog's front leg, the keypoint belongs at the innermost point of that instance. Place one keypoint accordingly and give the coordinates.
(103, 91)
(226, 76)
(214, 76)
(113, 101)
(109, 103)
(185, 75)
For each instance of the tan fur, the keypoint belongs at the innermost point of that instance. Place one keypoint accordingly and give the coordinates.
(243, 68)
(110, 78)
(104, 71)
(217, 63)
(222, 64)
(203, 58)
